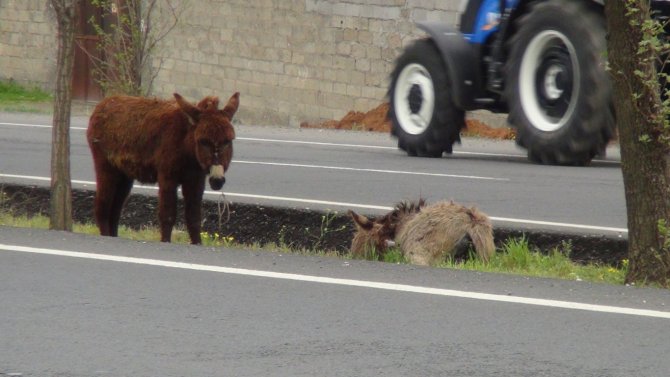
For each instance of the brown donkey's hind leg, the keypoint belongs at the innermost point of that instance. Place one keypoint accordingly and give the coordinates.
(107, 181)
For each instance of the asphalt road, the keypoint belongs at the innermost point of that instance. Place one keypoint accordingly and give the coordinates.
(340, 170)
(75, 305)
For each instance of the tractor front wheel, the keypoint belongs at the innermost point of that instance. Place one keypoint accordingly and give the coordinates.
(422, 113)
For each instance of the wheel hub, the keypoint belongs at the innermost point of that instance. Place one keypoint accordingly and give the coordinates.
(548, 78)
(553, 82)
(414, 99)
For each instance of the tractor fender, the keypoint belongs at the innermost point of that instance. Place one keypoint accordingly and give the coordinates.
(460, 61)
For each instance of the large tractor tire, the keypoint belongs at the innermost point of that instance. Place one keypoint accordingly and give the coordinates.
(422, 113)
(558, 91)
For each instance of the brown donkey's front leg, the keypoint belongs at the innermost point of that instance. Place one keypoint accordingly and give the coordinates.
(167, 209)
(193, 192)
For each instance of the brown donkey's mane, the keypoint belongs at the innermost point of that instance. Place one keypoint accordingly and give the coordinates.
(401, 213)
(374, 235)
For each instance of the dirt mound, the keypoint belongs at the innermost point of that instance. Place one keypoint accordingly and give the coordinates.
(476, 128)
(375, 120)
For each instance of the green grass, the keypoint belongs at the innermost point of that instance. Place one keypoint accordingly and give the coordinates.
(516, 257)
(13, 92)
(17, 98)
(42, 222)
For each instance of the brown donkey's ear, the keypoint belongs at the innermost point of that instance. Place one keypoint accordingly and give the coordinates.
(361, 221)
(232, 105)
(191, 111)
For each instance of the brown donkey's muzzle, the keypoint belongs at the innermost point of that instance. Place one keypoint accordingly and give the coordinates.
(216, 177)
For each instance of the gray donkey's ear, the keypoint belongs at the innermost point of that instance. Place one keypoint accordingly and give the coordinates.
(361, 221)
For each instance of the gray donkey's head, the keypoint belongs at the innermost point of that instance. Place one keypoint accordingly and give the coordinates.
(373, 237)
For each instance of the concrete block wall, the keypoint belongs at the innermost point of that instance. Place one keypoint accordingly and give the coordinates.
(292, 60)
(28, 43)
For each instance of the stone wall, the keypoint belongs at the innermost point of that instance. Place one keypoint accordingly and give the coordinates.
(292, 60)
(28, 42)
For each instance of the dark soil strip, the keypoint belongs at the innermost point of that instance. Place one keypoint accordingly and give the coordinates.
(297, 228)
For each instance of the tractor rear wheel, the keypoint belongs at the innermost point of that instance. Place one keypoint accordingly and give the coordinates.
(558, 91)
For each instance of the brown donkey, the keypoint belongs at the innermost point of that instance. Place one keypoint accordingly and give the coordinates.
(426, 234)
(174, 143)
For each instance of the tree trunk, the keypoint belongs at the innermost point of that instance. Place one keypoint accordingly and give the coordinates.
(644, 154)
(61, 186)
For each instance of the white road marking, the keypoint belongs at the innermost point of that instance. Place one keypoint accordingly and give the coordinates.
(286, 199)
(345, 204)
(365, 146)
(323, 166)
(338, 145)
(370, 170)
(560, 225)
(298, 200)
(26, 125)
(280, 141)
(345, 282)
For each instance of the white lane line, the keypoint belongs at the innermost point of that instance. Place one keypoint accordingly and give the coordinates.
(299, 200)
(28, 125)
(387, 208)
(280, 141)
(370, 170)
(264, 140)
(560, 225)
(338, 145)
(345, 282)
(323, 166)
(43, 179)
(345, 205)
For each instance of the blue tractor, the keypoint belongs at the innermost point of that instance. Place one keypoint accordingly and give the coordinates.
(540, 61)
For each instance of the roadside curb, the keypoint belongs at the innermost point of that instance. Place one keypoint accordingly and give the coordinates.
(298, 228)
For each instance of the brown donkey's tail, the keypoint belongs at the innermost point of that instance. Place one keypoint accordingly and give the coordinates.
(481, 233)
